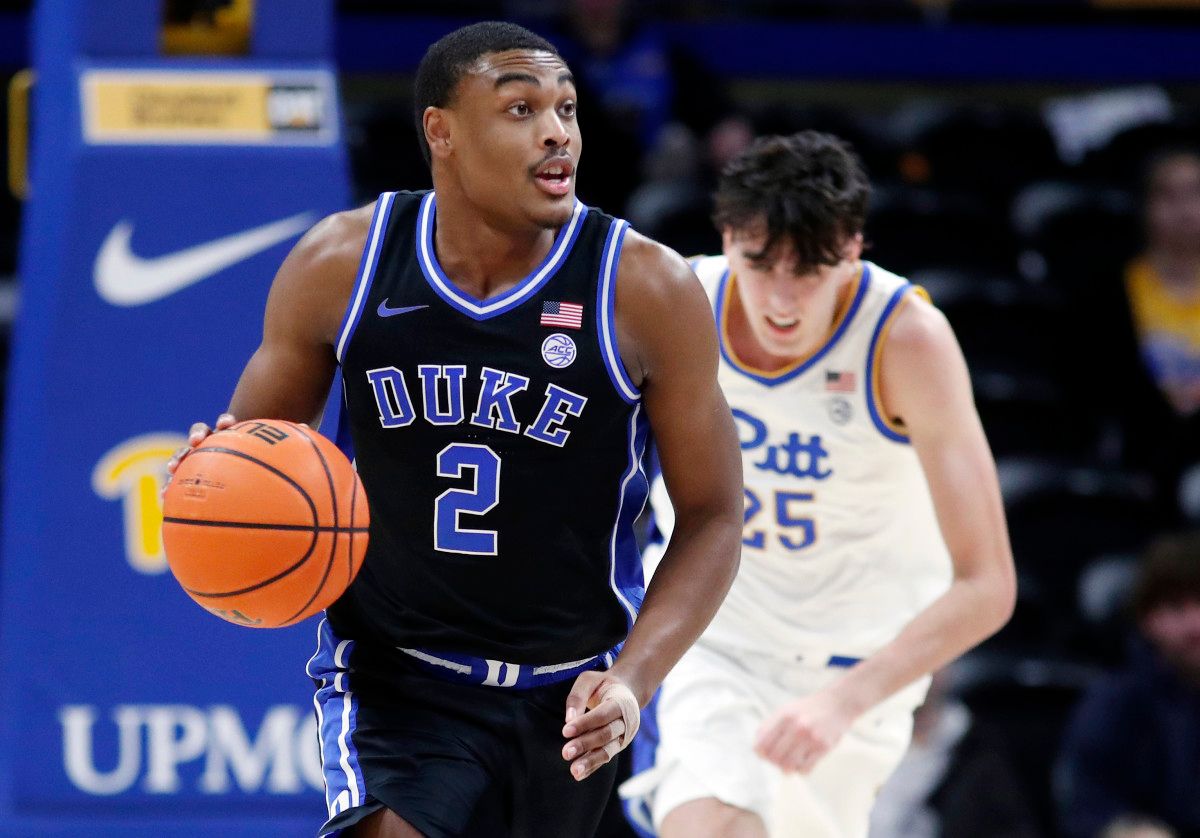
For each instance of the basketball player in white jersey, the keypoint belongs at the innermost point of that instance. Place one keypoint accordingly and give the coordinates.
(874, 548)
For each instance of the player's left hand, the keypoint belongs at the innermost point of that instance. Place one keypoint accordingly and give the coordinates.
(602, 718)
(799, 734)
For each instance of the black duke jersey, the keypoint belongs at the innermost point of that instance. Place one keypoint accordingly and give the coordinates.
(500, 445)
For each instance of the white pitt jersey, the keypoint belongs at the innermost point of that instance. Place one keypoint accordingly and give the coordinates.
(841, 547)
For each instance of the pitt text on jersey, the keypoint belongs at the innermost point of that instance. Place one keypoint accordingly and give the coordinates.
(796, 456)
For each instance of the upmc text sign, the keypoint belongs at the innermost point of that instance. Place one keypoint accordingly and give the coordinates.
(163, 749)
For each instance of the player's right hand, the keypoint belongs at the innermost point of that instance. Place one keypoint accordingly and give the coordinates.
(602, 718)
(196, 435)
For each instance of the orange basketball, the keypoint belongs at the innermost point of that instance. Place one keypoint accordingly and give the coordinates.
(265, 523)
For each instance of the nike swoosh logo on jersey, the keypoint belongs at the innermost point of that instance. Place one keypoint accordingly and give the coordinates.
(384, 311)
(125, 279)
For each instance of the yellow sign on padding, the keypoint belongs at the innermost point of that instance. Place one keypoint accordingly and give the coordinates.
(121, 106)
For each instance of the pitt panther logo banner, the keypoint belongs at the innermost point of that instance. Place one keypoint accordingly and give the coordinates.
(135, 473)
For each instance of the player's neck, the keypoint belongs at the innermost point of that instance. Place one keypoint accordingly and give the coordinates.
(480, 256)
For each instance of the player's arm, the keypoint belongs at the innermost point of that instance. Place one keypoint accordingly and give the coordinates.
(669, 344)
(926, 387)
(289, 375)
(672, 334)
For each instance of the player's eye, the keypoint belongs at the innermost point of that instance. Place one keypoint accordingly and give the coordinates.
(520, 109)
(567, 109)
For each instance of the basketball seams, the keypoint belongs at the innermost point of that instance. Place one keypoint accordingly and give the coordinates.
(336, 528)
(288, 571)
(254, 525)
(312, 507)
(352, 529)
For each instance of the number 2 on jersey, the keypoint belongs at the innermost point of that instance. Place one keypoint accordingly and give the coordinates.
(796, 532)
(449, 536)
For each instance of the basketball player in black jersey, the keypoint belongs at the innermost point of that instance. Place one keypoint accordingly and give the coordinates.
(505, 351)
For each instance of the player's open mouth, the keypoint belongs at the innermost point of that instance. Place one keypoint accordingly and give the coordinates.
(554, 177)
(782, 326)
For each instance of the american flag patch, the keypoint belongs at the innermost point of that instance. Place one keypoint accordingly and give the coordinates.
(840, 382)
(567, 315)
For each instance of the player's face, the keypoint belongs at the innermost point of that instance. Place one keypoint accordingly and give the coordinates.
(1175, 629)
(789, 309)
(1173, 203)
(515, 139)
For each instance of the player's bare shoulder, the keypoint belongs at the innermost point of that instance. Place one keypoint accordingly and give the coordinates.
(313, 285)
(922, 371)
(331, 249)
(918, 334)
(661, 306)
(651, 268)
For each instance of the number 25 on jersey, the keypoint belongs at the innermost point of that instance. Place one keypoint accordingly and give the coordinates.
(792, 530)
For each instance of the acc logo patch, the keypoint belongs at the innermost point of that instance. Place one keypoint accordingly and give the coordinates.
(840, 411)
(134, 473)
(558, 350)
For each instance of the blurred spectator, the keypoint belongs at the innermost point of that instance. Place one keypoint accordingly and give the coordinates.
(1145, 369)
(1164, 284)
(1132, 747)
(661, 112)
(955, 781)
(638, 75)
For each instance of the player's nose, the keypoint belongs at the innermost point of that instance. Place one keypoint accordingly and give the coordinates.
(554, 130)
(785, 291)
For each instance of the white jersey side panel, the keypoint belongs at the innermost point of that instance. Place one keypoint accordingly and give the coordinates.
(841, 547)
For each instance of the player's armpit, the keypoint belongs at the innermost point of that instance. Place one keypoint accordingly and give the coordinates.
(668, 332)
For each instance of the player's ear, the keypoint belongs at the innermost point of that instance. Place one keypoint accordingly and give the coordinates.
(854, 247)
(436, 122)
(727, 239)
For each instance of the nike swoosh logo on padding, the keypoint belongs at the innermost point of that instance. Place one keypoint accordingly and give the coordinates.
(384, 311)
(126, 279)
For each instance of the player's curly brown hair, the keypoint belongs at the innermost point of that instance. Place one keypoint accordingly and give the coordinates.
(810, 187)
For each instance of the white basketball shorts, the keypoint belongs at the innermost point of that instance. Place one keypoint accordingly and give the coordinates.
(708, 714)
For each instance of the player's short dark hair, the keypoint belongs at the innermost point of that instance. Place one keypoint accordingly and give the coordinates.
(1169, 573)
(445, 62)
(810, 187)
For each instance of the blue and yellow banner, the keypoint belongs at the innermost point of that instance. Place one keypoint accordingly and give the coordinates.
(165, 193)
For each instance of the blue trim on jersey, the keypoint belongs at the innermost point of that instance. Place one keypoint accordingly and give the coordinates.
(774, 380)
(471, 306)
(625, 573)
(645, 753)
(606, 312)
(337, 719)
(366, 271)
(652, 465)
(341, 435)
(843, 661)
(869, 385)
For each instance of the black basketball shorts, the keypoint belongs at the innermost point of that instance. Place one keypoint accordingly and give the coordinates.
(451, 759)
